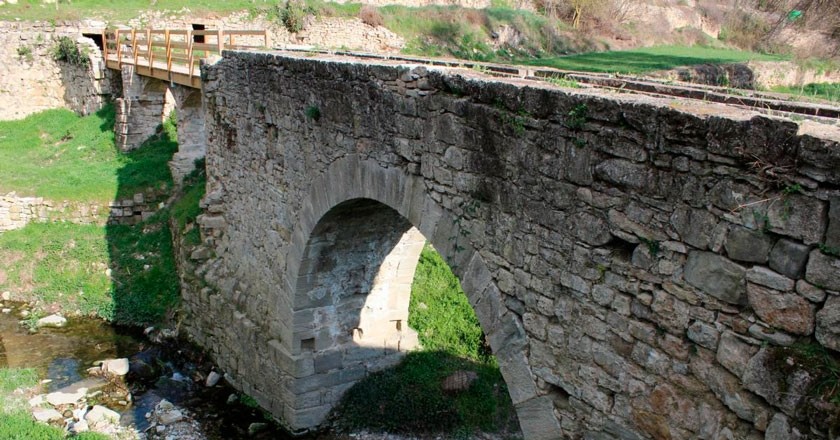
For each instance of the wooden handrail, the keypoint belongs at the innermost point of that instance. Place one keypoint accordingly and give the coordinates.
(176, 49)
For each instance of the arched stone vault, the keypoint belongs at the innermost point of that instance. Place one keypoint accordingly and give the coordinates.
(631, 261)
(352, 179)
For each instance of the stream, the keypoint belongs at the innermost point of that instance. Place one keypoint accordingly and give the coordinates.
(63, 355)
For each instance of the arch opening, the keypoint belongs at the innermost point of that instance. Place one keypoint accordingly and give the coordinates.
(351, 302)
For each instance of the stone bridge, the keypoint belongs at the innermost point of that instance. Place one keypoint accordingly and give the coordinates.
(635, 262)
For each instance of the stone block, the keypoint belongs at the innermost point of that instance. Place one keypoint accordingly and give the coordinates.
(832, 234)
(780, 429)
(537, 420)
(773, 336)
(694, 226)
(716, 276)
(703, 334)
(787, 311)
(734, 353)
(798, 216)
(768, 278)
(828, 324)
(810, 292)
(788, 258)
(823, 270)
(748, 245)
(782, 388)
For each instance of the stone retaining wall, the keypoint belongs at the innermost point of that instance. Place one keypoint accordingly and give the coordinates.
(16, 212)
(638, 264)
(32, 81)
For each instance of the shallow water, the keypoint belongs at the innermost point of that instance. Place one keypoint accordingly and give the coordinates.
(63, 355)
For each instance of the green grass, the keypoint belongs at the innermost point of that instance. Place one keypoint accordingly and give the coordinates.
(648, 59)
(58, 155)
(59, 263)
(119, 9)
(826, 91)
(186, 208)
(440, 313)
(145, 281)
(409, 398)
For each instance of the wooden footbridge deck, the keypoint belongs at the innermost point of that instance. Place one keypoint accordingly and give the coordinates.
(174, 55)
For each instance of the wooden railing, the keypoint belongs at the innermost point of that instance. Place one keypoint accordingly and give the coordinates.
(174, 55)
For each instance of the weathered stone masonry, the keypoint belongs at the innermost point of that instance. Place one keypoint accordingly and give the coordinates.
(633, 261)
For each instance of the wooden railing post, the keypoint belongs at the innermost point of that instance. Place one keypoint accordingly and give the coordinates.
(149, 53)
(168, 51)
(265, 38)
(220, 37)
(134, 48)
(190, 56)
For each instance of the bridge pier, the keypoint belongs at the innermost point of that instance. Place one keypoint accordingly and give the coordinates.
(192, 140)
(140, 109)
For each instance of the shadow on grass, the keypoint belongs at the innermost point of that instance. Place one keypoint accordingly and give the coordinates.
(409, 398)
(145, 285)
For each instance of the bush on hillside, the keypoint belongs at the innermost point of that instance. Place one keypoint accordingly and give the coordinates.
(371, 16)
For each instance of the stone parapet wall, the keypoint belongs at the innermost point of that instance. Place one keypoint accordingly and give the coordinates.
(32, 81)
(636, 263)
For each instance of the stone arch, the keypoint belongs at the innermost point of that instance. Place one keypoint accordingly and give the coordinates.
(353, 186)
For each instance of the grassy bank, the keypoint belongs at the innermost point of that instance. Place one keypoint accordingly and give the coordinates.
(117, 272)
(409, 397)
(58, 155)
(15, 421)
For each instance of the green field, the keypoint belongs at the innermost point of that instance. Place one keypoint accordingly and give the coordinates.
(648, 59)
(827, 91)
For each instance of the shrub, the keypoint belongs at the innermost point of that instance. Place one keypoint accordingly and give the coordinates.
(371, 16)
(68, 51)
(293, 16)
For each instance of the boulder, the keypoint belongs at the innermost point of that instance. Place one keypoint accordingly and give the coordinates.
(117, 367)
(100, 416)
(46, 415)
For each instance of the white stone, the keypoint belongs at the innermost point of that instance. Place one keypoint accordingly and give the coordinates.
(170, 417)
(99, 415)
(117, 367)
(212, 379)
(65, 398)
(45, 415)
(52, 321)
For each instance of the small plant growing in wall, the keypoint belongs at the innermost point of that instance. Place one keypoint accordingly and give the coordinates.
(68, 51)
(577, 116)
(313, 113)
(25, 53)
